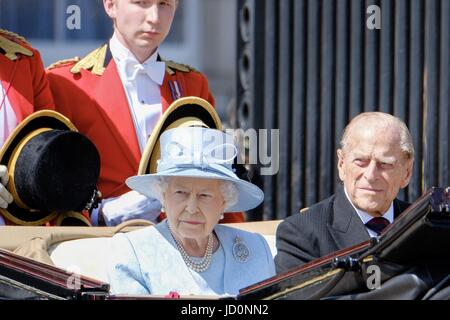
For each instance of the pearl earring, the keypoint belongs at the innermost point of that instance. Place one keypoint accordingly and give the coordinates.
(221, 216)
(163, 209)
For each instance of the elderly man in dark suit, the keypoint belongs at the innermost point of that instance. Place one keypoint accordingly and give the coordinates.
(375, 161)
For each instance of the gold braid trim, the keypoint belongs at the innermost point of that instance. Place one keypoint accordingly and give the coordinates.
(62, 63)
(11, 48)
(14, 35)
(172, 67)
(94, 61)
(17, 221)
(74, 215)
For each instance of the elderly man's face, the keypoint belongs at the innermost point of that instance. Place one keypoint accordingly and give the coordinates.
(373, 168)
(141, 25)
(193, 206)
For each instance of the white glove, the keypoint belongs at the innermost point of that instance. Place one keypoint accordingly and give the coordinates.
(130, 205)
(5, 197)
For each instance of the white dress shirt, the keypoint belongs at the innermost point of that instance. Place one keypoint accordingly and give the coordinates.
(365, 217)
(8, 120)
(141, 83)
(142, 86)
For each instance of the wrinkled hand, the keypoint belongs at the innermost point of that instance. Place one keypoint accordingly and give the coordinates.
(131, 205)
(5, 197)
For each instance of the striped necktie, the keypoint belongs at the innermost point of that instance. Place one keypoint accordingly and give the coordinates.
(377, 224)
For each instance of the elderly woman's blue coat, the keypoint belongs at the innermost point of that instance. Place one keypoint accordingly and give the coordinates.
(147, 261)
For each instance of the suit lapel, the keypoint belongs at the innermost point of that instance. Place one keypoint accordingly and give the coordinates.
(114, 103)
(346, 227)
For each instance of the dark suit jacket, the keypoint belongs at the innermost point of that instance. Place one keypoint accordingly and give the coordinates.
(328, 226)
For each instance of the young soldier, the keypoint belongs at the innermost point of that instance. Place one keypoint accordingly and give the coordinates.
(116, 94)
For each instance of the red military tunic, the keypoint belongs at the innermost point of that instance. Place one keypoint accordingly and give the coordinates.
(90, 93)
(23, 77)
(22, 71)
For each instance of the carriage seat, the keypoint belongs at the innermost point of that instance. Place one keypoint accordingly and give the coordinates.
(83, 250)
(92, 254)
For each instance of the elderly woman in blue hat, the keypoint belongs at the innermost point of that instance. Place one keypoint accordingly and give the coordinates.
(189, 252)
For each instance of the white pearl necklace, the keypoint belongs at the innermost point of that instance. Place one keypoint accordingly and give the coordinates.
(203, 264)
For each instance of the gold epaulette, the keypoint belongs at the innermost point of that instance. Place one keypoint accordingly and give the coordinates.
(62, 63)
(12, 44)
(94, 62)
(172, 67)
(13, 35)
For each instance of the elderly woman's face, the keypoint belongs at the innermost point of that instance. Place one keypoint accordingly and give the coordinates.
(193, 206)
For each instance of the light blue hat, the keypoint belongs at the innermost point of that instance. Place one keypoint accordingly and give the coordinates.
(198, 153)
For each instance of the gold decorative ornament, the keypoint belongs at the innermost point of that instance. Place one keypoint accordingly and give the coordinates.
(172, 67)
(63, 62)
(94, 62)
(12, 48)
